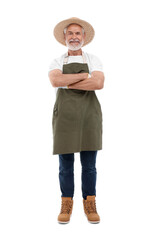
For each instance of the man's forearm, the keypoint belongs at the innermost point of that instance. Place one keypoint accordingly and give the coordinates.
(67, 79)
(87, 84)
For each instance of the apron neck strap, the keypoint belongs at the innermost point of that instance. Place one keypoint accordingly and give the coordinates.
(66, 57)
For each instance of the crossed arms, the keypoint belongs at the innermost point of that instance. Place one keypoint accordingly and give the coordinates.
(78, 80)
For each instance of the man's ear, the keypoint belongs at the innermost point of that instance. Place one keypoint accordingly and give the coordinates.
(84, 36)
(64, 36)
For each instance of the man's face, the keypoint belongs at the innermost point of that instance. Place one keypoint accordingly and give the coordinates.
(74, 37)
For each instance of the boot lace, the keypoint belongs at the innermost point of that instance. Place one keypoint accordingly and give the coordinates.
(66, 207)
(91, 207)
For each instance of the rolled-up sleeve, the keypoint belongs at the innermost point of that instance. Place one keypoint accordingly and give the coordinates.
(54, 65)
(96, 64)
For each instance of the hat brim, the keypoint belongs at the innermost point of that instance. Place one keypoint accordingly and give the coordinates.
(59, 30)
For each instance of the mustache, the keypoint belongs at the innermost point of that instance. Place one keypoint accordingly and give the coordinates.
(74, 40)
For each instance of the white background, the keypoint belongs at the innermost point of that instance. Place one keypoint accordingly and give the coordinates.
(29, 186)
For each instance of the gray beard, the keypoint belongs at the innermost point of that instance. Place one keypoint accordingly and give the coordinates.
(74, 48)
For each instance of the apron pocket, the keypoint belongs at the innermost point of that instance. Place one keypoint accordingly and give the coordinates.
(55, 111)
(54, 117)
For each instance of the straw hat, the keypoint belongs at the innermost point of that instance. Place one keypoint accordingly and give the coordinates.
(59, 30)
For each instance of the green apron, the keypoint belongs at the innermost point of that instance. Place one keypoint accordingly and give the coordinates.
(77, 116)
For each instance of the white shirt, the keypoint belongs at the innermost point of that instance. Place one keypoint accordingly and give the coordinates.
(93, 62)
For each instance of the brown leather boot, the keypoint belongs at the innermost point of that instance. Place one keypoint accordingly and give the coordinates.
(90, 209)
(66, 210)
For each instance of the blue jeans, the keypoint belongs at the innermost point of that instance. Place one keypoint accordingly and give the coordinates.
(88, 176)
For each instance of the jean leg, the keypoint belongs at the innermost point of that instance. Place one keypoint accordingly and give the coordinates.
(66, 174)
(89, 173)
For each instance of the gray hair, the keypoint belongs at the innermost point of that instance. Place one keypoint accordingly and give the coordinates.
(65, 29)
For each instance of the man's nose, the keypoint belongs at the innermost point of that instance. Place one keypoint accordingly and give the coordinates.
(74, 35)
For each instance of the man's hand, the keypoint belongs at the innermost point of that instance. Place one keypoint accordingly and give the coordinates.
(96, 82)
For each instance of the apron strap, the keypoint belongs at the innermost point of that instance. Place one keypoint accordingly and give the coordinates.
(66, 58)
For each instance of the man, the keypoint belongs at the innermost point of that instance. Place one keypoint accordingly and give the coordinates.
(77, 116)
